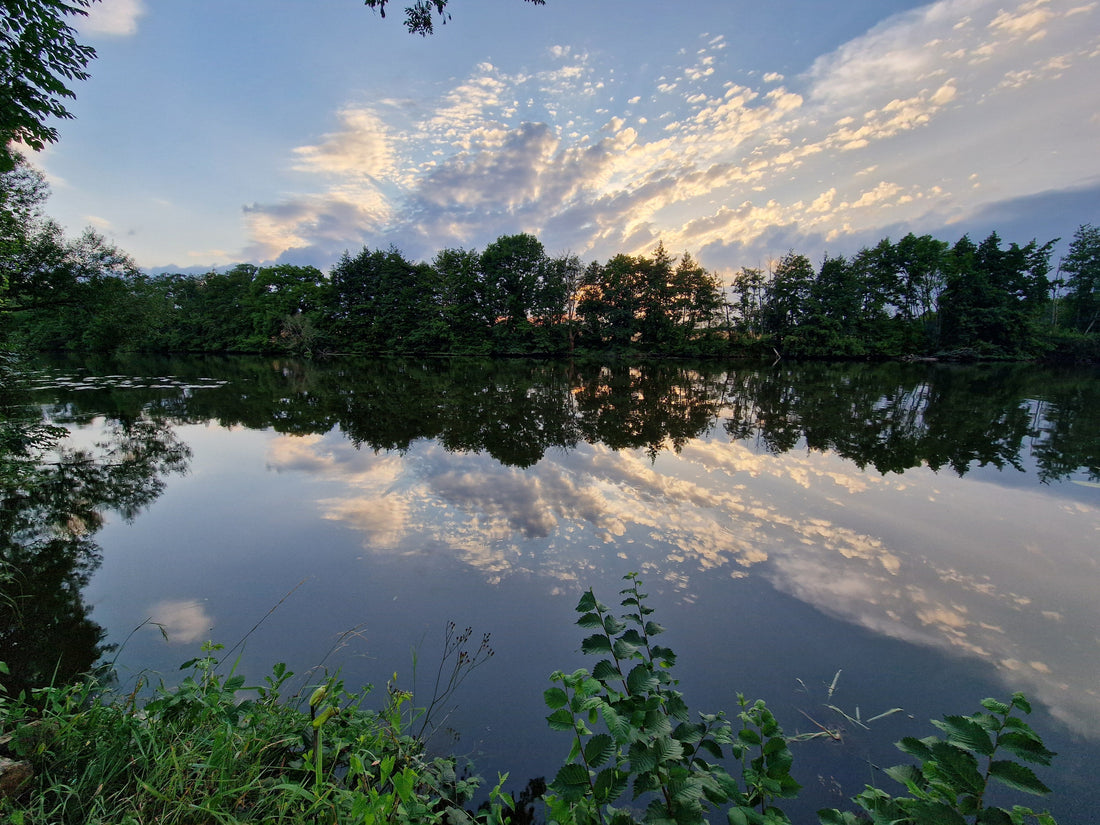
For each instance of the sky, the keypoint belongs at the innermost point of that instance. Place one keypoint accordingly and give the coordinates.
(214, 132)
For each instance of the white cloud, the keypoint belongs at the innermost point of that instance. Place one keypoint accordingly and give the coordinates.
(479, 163)
(113, 17)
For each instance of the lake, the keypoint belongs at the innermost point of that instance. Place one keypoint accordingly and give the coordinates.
(929, 532)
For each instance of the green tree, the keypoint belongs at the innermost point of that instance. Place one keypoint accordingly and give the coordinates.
(1082, 266)
(39, 58)
(518, 284)
(418, 16)
(466, 309)
(788, 293)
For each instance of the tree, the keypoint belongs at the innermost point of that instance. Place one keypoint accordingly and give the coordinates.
(39, 57)
(1082, 265)
(418, 16)
(788, 294)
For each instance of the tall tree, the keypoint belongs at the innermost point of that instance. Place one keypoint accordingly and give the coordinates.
(1082, 266)
(788, 294)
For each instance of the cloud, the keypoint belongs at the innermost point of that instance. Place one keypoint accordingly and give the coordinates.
(117, 18)
(926, 99)
(183, 621)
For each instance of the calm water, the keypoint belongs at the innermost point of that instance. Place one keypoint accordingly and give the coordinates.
(931, 532)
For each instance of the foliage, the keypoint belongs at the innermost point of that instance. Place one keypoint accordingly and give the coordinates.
(951, 784)
(650, 743)
(39, 56)
(418, 16)
(215, 750)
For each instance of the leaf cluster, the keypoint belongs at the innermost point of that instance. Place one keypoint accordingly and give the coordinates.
(632, 730)
(950, 785)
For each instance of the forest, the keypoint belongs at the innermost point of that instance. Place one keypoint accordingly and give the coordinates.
(914, 297)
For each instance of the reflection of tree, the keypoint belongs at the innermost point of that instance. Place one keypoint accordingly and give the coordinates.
(652, 406)
(897, 416)
(890, 416)
(52, 501)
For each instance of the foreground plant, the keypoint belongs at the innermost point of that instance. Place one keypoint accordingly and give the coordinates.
(651, 744)
(951, 785)
(214, 750)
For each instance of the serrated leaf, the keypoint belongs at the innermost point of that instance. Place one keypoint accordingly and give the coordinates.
(966, 733)
(1017, 776)
(958, 767)
(612, 625)
(641, 680)
(1020, 701)
(555, 698)
(623, 650)
(604, 670)
(598, 750)
(596, 643)
(994, 706)
(919, 748)
(571, 781)
(677, 708)
(633, 637)
(1025, 747)
(590, 620)
(560, 719)
(610, 785)
(642, 759)
(653, 629)
(667, 749)
(908, 775)
(587, 603)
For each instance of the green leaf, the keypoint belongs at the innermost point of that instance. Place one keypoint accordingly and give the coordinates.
(966, 733)
(749, 736)
(908, 775)
(560, 719)
(590, 620)
(555, 698)
(831, 816)
(587, 603)
(1020, 701)
(598, 750)
(653, 629)
(1028, 748)
(1017, 776)
(597, 643)
(610, 785)
(641, 680)
(956, 766)
(920, 748)
(571, 781)
(605, 671)
(623, 649)
(993, 706)
(642, 759)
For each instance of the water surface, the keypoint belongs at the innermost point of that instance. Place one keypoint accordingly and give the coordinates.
(931, 532)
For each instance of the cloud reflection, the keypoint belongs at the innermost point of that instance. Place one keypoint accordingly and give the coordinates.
(903, 558)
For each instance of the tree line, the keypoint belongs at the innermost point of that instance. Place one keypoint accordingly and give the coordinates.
(918, 296)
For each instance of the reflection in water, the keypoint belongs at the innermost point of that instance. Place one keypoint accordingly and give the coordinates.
(53, 500)
(560, 472)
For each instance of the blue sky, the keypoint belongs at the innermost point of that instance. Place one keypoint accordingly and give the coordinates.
(220, 131)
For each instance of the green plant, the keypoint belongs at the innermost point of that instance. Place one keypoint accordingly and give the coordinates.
(215, 750)
(950, 786)
(650, 743)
